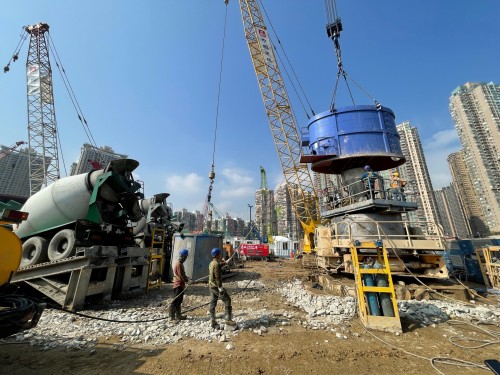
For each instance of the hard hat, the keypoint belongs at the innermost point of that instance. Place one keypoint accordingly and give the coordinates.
(215, 252)
(367, 167)
(184, 253)
(395, 174)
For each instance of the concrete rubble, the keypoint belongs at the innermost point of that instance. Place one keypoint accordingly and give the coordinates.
(311, 311)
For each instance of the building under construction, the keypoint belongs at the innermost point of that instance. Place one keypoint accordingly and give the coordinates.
(14, 171)
(92, 157)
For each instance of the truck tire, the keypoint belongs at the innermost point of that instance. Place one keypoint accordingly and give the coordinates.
(62, 245)
(34, 251)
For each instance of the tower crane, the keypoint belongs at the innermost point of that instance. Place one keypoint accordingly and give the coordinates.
(6, 152)
(42, 126)
(43, 135)
(281, 120)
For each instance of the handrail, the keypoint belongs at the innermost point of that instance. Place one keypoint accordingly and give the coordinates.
(356, 192)
(343, 230)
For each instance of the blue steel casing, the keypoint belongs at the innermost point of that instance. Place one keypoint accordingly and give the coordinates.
(351, 137)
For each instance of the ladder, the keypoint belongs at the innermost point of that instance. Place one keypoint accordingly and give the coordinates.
(489, 263)
(377, 304)
(155, 267)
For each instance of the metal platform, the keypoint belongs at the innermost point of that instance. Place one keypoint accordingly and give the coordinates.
(375, 204)
(96, 271)
(422, 254)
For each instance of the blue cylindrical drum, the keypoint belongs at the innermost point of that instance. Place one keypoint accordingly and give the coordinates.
(371, 297)
(385, 298)
(352, 137)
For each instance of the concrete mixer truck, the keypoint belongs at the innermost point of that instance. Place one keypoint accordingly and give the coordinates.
(157, 222)
(84, 210)
(157, 214)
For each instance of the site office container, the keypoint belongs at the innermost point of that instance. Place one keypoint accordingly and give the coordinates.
(199, 247)
(258, 251)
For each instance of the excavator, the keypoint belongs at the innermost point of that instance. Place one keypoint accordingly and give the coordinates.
(17, 312)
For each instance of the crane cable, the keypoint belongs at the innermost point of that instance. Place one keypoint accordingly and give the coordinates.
(211, 176)
(72, 96)
(15, 55)
(333, 28)
(291, 67)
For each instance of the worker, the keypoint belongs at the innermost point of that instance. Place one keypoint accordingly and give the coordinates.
(217, 290)
(369, 177)
(397, 187)
(180, 280)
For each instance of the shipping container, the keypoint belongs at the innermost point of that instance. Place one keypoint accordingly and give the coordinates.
(199, 247)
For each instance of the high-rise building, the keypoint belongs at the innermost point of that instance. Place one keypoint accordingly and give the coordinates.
(265, 214)
(325, 185)
(14, 172)
(416, 173)
(288, 224)
(475, 110)
(94, 158)
(189, 219)
(466, 194)
(451, 213)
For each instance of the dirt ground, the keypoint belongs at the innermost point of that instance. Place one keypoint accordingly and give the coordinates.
(291, 349)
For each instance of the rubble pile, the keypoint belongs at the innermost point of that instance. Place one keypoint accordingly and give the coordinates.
(311, 311)
(337, 309)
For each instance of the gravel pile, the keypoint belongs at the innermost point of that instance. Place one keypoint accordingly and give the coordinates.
(430, 312)
(320, 312)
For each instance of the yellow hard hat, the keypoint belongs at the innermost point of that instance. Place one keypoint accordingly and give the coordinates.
(395, 174)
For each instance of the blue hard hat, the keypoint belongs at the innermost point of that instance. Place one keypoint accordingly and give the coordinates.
(367, 167)
(215, 252)
(184, 253)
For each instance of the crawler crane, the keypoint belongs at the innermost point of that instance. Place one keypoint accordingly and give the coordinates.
(281, 120)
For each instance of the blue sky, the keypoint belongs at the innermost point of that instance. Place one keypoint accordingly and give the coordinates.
(146, 76)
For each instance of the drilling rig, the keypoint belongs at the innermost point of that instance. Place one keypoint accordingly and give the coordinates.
(342, 142)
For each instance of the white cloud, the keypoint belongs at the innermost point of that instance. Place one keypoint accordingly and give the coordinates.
(437, 148)
(237, 192)
(444, 138)
(186, 191)
(183, 185)
(236, 176)
(234, 190)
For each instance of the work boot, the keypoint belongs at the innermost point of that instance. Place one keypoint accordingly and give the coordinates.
(171, 312)
(178, 314)
(214, 323)
(229, 316)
